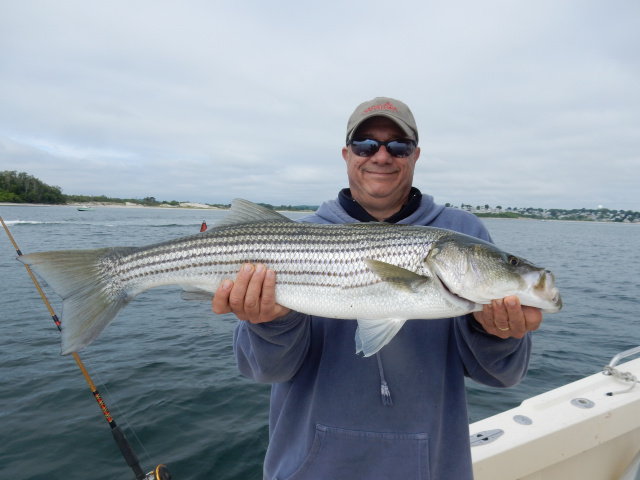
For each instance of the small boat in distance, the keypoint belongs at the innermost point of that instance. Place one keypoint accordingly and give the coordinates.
(85, 208)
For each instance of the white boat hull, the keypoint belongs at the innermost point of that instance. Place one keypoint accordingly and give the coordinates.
(595, 437)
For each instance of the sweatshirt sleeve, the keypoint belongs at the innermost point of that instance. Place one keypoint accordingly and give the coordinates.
(488, 359)
(273, 351)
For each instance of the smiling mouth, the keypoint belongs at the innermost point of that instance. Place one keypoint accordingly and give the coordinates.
(380, 173)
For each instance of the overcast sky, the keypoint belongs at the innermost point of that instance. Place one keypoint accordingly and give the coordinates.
(518, 103)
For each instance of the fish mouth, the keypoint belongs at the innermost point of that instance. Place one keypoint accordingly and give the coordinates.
(556, 301)
(546, 290)
(454, 297)
(546, 286)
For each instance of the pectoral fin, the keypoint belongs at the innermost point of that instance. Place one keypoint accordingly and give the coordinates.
(372, 335)
(397, 276)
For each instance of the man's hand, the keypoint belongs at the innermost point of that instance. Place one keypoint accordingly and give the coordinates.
(252, 297)
(507, 318)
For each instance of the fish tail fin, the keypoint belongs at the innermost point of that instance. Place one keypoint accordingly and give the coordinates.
(88, 305)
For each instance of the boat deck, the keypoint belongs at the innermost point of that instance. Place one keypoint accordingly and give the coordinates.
(575, 431)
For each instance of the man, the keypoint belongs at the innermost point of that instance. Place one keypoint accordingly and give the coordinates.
(402, 413)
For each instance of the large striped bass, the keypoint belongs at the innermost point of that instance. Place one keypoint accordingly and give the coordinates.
(377, 273)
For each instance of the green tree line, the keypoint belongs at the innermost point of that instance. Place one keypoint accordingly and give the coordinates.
(24, 188)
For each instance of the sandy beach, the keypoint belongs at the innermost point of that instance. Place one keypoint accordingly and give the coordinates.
(186, 205)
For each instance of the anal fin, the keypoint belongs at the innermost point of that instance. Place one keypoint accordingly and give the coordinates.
(196, 293)
(372, 335)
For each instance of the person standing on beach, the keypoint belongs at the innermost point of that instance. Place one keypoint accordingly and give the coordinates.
(402, 413)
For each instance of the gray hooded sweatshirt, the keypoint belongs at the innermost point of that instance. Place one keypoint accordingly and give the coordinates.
(330, 416)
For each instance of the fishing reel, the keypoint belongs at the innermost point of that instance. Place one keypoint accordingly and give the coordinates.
(160, 473)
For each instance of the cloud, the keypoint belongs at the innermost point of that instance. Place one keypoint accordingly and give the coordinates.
(517, 103)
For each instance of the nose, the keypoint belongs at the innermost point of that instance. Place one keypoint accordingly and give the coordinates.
(382, 155)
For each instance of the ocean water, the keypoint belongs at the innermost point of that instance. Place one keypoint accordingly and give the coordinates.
(165, 367)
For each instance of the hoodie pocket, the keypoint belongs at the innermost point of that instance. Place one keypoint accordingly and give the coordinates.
(351, 454)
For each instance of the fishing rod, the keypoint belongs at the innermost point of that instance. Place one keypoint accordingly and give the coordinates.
(160, 472)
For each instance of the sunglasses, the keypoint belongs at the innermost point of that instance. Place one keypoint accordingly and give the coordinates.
(397, 148)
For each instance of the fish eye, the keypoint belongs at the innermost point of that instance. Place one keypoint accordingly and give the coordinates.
(514, 261)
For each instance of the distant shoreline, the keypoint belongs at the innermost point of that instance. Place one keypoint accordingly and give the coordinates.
(202, 206)
(96, 205)
(184, 206)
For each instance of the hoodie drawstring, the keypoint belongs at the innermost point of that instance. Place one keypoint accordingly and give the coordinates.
(384, 388)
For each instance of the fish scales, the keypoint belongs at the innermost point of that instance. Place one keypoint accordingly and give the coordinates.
(301, 254)
(379, 274)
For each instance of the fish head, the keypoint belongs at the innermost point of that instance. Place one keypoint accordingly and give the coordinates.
(480, 272)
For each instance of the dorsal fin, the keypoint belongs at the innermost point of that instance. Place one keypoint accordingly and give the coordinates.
(244, 211)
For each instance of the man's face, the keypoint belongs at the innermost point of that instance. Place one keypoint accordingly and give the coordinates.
(380, 179)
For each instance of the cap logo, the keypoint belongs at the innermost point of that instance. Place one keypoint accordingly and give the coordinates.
(386, 106)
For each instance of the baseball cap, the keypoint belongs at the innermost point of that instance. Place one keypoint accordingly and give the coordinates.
(383, 107)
